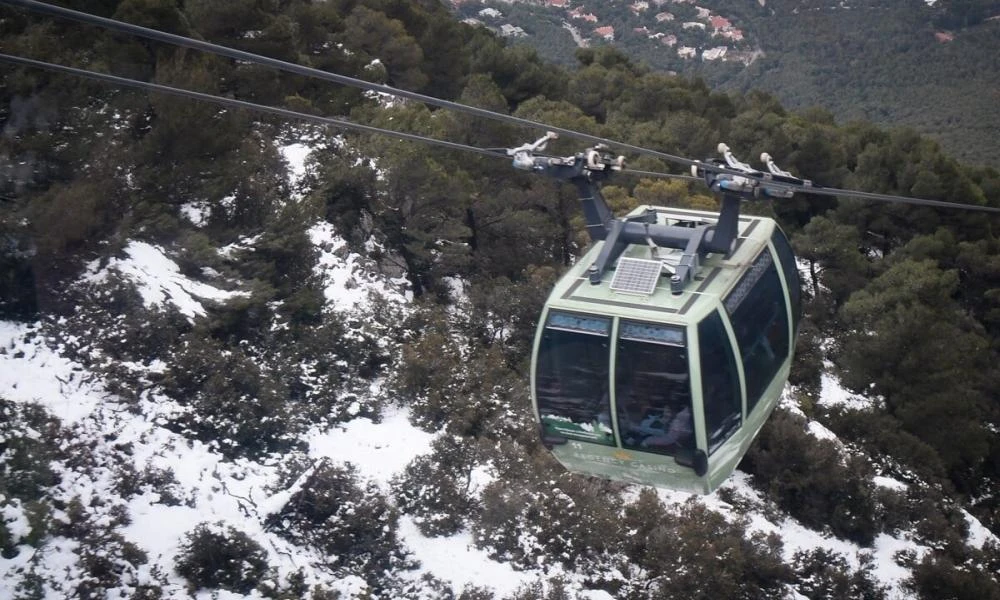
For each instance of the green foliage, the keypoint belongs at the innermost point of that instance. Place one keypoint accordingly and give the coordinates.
(837, 265)
(938, 576)
(810, 479)
(566, 519)
(352, 524)
(386, 39)
(929, 361)
(435, 488)
(807, 366)
(503, 312)
(224, 558)
(677, 554)
(231, 401)
(883, 436)
(825, 574)
(465, 387)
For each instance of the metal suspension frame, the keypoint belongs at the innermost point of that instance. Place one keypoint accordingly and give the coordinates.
(589, 169)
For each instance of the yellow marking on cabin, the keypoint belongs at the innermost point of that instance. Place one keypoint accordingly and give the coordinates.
(621, 455)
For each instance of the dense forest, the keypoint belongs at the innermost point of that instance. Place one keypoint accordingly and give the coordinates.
(931, 66)
(903, 302)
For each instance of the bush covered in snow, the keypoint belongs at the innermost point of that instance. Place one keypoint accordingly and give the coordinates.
(566, 519)
(350, 523)
(695, 552)
(814, 480)
(221, 557)
(230, 398)
(447, 379)
(821, 573)
(29, 442)
(435, 487)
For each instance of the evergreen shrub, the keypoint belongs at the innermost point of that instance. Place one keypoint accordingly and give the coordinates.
(822, 573)
(811, 479)
(434, 488)
(352, 524)
(216, 557)
(689, 551)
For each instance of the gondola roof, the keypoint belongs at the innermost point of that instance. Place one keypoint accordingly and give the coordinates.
(717, 275)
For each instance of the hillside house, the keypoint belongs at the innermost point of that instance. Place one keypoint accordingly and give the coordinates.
(719, 23)
(607, 32)
(577, 13)
(664, 17)
(687, 52)
(716, 53)
(508, 30)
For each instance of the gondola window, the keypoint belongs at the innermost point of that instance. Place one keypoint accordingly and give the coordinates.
(720, 382)
(571, 379)
(757, 310)
(791, 272)
(653, 389)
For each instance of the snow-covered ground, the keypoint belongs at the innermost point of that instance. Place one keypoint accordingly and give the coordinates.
(213, 489)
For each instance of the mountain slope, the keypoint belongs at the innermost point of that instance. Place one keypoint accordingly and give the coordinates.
(233, 311)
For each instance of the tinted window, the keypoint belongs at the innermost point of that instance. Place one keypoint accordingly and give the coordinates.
(757, 311)
(720, 383)
(571, 378)
(791, 272)
(653, 389)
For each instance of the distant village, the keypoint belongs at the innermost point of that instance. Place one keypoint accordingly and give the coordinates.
(690, 31)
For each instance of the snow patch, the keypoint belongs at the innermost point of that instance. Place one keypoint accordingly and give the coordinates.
(979, 535)
(196, 212)
(31, 372)
(295, 155)
(890, 483)
(378, 450)
(457, 560)
(347, 283)
(159, 280)
(832, 393)
(821, 432)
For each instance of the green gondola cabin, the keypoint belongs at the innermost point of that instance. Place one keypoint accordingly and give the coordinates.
(657, 361)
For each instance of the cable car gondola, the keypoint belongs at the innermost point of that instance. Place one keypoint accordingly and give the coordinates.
(661, 353)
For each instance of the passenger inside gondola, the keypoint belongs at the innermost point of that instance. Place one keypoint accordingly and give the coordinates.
(677, 431)
(653, 389)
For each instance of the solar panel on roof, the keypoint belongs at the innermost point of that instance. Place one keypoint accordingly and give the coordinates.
(636, 276)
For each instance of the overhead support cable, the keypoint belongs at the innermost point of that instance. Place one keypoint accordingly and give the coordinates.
(179, 40)
(766, 179)
(233, 103)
